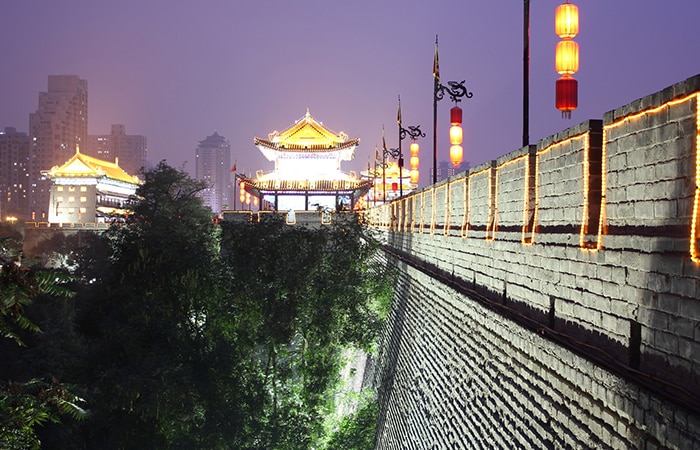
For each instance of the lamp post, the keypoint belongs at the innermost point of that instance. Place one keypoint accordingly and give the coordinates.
(414, 132)
(455, 90)
(394, 153)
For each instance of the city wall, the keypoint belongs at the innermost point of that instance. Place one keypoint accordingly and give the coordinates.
(551, 297)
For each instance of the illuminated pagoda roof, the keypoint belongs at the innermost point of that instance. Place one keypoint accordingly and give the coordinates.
(84, 166)
(306, 136)
(356, 187)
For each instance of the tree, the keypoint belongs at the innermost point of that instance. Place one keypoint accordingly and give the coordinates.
(26, 404)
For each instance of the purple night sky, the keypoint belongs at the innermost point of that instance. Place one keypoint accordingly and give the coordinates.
(178, 71)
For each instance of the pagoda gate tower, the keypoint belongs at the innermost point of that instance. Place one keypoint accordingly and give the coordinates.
(307, 173)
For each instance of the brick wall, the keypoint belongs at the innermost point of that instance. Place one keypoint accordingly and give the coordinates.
(552, 297)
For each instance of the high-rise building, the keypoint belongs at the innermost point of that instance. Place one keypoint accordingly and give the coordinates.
(129, 150)
(57, 128)
(213, 166)
(14, 174)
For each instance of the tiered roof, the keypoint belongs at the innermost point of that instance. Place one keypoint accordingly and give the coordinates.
(84, 166)
(306, 135)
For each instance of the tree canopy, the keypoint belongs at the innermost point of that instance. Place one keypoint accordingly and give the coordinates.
(188, 334)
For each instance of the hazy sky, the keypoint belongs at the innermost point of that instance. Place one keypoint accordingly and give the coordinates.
(176, 71)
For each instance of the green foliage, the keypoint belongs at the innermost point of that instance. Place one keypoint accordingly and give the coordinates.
(185, 334)
(356, 432)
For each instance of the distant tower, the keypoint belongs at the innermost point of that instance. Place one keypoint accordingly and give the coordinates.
(213, 165)
(130, 149)
(57, 128)
(14, 174)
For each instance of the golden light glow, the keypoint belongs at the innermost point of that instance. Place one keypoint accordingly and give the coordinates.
(414, 162)
(465, 213)
(414, 148)
(586, 198)
(566, 20)
(566, 57)
(414, 176)
(456, 155)
(433, 209)
(455, 135)
(694, 244)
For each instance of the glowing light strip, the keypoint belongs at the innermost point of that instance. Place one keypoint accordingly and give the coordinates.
(526, 198)
(465, 222)
(694, 250)
(448, 209)
(422, 211)
(433, 209)
(696, 203)
(414, 199)
(586, 197)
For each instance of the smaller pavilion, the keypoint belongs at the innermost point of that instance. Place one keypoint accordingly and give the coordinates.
(86, 189)
(307, 173)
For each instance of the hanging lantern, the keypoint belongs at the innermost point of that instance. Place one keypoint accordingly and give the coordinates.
(566, 20)
(414, 161)
(247, 198)
(255, 201)
(456, 155)
(414, 176)
(455, 135)
(566, 58)
(394, 186)
(456, 115)
(414, 148)
(567, 95)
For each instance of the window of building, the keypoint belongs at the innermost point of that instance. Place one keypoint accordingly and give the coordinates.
(83, 188)
(59, 199)
(71, 188)
(71, 210)
(71, 199)
(59, 188)
(83, 210)
(83, 199)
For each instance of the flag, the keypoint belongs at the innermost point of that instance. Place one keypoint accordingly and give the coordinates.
(436, 63)
(398, 115)
(383, 139)
(233, 169)
(376, 154)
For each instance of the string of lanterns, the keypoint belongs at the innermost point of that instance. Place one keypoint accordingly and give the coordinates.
(566, 58)
(456, 134)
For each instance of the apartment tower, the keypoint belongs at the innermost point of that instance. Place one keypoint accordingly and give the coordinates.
(213, 166)
(56, 129)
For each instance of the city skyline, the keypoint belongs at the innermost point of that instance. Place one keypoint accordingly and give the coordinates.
(176, 73)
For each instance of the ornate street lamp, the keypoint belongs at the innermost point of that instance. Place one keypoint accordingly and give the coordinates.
(455, 90)
(392, 152)
(414, 132)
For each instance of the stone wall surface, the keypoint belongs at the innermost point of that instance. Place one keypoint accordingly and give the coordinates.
(551, 298)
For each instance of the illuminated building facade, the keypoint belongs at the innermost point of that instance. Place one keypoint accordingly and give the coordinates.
(131, 149)
(86, 190)
(14, 173)
(56, 129)
(307, 173)
(213, 166)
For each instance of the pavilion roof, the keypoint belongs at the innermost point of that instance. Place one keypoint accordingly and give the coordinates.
(81, 165)
(356, 186)
(307, 135)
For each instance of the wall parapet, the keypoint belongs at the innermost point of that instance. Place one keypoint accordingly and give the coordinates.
(592, 233)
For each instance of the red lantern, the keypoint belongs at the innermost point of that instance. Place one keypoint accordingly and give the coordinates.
(394, 186)
(456, 115)
(567, 95)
